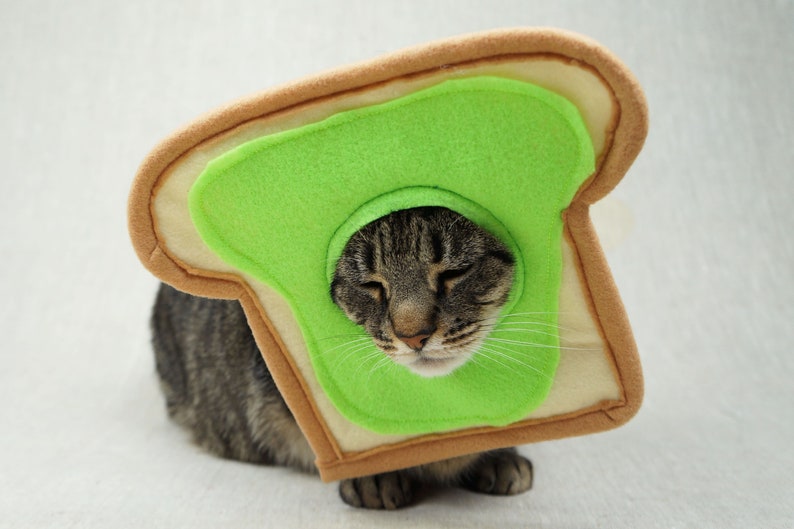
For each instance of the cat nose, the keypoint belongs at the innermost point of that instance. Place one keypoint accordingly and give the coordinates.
(417, 341)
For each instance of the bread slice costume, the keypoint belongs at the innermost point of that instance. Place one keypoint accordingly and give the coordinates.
(519, 131)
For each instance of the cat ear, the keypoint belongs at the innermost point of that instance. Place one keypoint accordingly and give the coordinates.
(377, 289)
(447, 279)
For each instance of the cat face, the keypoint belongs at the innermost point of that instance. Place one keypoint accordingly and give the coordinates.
(426, 284)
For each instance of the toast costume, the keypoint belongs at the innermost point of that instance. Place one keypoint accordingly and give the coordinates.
(518, 130)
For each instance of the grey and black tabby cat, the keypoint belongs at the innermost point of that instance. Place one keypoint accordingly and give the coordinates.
(425, 283)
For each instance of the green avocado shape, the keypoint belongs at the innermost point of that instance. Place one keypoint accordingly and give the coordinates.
(507, 154)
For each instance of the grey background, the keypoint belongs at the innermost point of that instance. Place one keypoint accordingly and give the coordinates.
(702, 254)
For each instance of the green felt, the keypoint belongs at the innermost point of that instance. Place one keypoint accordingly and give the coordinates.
(507, 154)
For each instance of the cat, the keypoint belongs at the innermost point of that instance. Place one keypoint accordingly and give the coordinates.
(423, 282)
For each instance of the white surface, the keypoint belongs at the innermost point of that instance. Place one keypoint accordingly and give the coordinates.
(706, 270)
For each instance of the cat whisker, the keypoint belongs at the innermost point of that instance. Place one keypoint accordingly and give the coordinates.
(491, 322)
(335, 336)
(536, 323)
(535, 318)
(357, 341)
(486, 353)
(479, 361)
(354, 352)
(537, 313)
(370, 361)
(494, 349)
(485, 359)
(497, 334)
(523, 319)
(461, 346)
(540, 345)
(380, 365)
(496, 321)
(349, 341)
(530, 331)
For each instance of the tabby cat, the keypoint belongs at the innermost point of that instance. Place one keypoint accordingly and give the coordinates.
(423, 282)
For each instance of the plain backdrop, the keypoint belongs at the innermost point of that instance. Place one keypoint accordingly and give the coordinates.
(699, 239)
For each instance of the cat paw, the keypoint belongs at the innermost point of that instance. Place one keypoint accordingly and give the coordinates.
(391, 490)
(502, 472)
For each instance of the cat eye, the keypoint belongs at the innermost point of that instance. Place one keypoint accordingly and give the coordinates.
(449, 278)
(376, 289)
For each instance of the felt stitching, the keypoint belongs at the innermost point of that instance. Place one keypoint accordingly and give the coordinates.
(551, 235)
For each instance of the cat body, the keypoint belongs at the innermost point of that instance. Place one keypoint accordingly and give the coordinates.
(425, 284)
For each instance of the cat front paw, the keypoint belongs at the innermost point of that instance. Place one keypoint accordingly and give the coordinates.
(390, 490)
(502, 472)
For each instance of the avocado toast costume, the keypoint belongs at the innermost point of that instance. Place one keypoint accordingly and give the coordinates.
(518, 130)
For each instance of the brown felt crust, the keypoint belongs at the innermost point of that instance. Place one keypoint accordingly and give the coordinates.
(622, 146)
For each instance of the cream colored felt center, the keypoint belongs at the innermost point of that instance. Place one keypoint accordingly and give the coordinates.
(585, 376)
